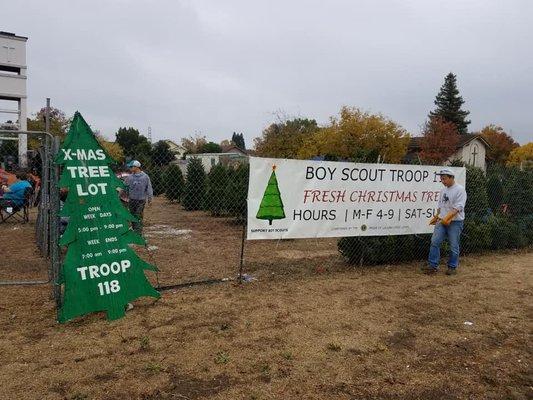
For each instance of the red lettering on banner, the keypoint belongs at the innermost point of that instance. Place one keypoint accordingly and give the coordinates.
(324, 196)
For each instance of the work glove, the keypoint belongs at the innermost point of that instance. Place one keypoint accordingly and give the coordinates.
(434, 220)
(447, 219)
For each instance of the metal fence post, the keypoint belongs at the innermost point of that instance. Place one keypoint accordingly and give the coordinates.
(55, 253)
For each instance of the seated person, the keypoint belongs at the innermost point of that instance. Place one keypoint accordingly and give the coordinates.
(14, 194)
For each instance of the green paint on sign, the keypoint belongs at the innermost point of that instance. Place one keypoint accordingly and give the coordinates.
(100, 271)
(271, 206)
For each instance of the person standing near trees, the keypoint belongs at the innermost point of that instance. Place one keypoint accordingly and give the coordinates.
(448, 222)
(139, 188)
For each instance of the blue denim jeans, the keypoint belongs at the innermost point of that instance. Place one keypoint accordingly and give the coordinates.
(453, 232)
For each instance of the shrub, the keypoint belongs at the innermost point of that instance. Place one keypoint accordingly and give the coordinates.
(475, 237)
(499, 231)
(173, 182)
(372, 250)
(195, 185)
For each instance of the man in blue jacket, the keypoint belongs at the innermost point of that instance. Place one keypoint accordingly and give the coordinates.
(140, 191)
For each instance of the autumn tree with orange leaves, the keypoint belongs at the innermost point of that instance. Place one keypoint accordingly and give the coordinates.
(501, 144)
(439, 141)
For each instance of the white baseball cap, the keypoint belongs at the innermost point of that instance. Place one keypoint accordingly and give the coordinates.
(446, 171)
(135, 163)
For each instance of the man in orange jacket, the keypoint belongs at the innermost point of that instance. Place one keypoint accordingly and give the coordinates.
(448, 222)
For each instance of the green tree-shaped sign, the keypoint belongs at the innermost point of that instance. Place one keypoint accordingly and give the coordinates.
(271, 206)
(100, 271)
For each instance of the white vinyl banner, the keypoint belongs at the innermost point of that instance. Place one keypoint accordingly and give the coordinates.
(289, 199)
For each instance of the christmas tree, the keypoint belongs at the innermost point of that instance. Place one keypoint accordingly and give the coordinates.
(217, 182)
(449, 104)
(100, 271)
(173, 182)
(271, 206)
(195, 186)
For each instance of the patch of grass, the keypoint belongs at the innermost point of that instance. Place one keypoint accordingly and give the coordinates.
(144, 342)
(265, 372)
(382, 347)
(334, 346)
(287, 355)
(221, 358)
(153, 368)
(355, 352)
(225, 326)
(79, 396)
(265, 369)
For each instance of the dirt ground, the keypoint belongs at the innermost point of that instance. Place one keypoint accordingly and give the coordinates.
(308, 327)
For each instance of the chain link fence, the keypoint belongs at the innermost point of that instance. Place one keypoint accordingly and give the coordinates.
(498, 216)
(30, 153)
(196, 224)
(195, 227)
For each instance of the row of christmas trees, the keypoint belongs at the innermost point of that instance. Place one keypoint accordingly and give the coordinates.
(222, 191)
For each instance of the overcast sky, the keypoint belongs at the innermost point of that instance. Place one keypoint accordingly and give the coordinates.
(214, 67)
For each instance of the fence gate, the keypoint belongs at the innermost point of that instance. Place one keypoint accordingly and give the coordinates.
(38, 162)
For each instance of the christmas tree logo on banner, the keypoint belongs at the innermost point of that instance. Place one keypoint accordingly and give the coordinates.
(100, 271)
(271, 206)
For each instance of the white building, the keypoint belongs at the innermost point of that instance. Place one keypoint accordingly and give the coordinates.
(176, 149)
(471, 150)
(231, 156)
(13, 87)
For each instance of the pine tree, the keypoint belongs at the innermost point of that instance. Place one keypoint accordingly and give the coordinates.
(238, 139)
(195, 185)
(100, 272)
(173, 182)
(476, 190)
(156, 177)
(133, 143)
(476, 235)
(271, 206)
(161, 154)
(237, 192)
(449, 104)
(520, 194)
(495, 192)
(216, 188)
